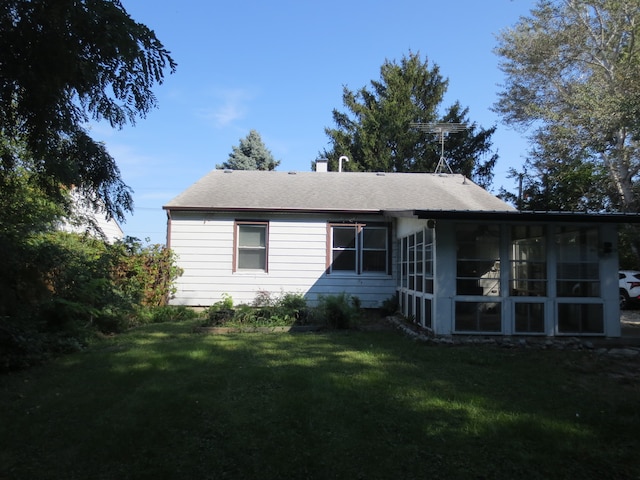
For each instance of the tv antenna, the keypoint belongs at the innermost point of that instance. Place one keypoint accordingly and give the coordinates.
(444, 130)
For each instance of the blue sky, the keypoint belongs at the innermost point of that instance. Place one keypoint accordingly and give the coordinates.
(279, 67)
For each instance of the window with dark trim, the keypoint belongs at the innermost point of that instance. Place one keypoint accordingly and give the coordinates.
(358, 248)
(251, 250)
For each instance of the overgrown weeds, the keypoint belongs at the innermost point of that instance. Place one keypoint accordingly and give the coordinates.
(286, 310)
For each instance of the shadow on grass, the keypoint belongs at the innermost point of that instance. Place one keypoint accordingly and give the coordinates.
(162, 402)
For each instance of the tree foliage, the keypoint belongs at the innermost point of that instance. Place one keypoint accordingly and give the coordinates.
(63, 63)
(66, 286)
(571, 72)
(250, 154)
(559, 176)
(376, 133)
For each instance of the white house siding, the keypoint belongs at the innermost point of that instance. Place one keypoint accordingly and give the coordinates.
(296, 262)
(109, 229)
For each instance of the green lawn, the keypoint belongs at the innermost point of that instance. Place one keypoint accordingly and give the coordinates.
(162, 402)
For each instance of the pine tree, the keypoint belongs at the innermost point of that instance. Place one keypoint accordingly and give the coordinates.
(251, 154)
(377, 134)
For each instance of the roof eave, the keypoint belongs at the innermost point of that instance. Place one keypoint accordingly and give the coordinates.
(528, 216)
(270, 210)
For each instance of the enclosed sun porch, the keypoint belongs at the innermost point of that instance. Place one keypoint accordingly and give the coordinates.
(509, 273)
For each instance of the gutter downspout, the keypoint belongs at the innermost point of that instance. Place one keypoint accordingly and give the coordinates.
(168, 241)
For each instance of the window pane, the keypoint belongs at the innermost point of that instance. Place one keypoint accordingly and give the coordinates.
(374, 261)
(578, 263)
(427, 313)
(252, 251)
(580, 318)
(344, 237)
(375, 238)
(529, 318)
(252, 259)
(577, 244)
(478, 317)
(478, 247)
(344, 260)
(428, 285)
(428, 266)
(528, 260)
(251, 235)
(573, 288)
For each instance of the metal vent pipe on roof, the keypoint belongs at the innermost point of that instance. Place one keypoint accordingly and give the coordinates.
(343, 157)
(321, 164)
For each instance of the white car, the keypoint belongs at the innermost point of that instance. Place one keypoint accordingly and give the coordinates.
(629, 288)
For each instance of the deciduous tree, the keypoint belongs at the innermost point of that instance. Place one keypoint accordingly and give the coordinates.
(63, 63)
(572, 72)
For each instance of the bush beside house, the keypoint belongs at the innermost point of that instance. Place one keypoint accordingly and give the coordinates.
(68, 287)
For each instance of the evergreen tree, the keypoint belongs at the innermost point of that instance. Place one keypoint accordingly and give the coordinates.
(250, 154)
(377, 134)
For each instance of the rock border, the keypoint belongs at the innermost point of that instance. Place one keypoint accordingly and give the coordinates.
(598, 346)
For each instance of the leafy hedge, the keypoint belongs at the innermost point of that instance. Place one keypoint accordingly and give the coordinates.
(335, 311)
(60, 288)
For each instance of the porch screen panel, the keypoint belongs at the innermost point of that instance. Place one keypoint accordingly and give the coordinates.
(528, 260)
(428, 260)
(419, 261)
(412, 262)
(478, 259)
(476, 317)
(428, 323)
(578, 264)
(405, 263)
(529, 318)
(580, 318)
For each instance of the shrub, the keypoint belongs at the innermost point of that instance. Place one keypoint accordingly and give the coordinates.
(339, 311)
(262, 299)
(67, 285)
(144, 273)
(220, 312)
(295, 306)
(166, 313)
(390, 306)
(286, 310)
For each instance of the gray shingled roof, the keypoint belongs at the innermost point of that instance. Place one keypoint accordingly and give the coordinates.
(333, 191)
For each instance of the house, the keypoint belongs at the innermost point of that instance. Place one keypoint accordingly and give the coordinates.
(89, 219)
(458, 259)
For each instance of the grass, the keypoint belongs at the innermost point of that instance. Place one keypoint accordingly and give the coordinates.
(161, 402)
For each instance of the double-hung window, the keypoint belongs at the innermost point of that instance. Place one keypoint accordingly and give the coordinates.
(251, 246)
(358, 248)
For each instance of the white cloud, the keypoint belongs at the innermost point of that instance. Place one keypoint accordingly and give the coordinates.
(231, 105)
